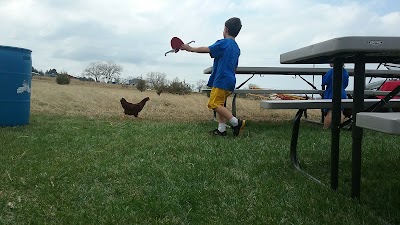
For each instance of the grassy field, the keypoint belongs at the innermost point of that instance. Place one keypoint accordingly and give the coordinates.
(89, 165)
(102, 100)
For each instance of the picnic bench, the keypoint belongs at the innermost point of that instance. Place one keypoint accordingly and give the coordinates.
(303, 105)
(305, 71)
(237, 92)
(383, 122)
(298, 71)
(358, 50)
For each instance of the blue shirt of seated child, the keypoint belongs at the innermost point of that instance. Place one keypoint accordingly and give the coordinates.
(327, 80)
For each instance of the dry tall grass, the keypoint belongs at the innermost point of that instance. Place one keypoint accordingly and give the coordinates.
(102, 100)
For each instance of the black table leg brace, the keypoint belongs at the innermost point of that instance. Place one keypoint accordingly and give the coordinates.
(336, 103)
(293, 145)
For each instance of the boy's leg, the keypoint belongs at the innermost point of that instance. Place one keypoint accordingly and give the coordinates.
(217, 99)
(328, 119)
(237, 124)
(221, 122)
(223, 114)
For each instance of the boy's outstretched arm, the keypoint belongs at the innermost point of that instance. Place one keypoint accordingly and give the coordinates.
(195, 49)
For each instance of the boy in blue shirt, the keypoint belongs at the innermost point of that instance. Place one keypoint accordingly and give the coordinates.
(222, 81)
(327, 80)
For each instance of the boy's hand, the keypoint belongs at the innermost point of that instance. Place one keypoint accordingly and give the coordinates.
(185, 47)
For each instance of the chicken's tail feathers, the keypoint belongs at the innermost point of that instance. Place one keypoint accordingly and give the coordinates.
(123, 100)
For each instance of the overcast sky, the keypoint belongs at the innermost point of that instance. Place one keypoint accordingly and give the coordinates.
(69, 34)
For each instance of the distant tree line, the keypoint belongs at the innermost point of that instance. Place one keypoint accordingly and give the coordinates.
(111, 71)
(50, 72)
(159, 82)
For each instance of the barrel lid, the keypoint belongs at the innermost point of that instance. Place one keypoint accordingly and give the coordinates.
(14, 48)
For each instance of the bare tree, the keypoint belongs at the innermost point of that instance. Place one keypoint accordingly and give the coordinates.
(200, 84)
(98, 70)
(94, 70)
(111, 70)
(157, 81)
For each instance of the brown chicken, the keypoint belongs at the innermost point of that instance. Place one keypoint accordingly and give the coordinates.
(133, 109)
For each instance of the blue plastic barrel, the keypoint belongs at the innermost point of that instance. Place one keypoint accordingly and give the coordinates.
(15, 85)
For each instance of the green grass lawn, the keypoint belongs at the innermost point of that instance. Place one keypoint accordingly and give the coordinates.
(74, 170)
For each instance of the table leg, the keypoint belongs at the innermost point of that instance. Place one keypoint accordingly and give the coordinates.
(336, 117)
(322, 110)
(357, 132)
(293, 145)
(234, 105)
(295, 138)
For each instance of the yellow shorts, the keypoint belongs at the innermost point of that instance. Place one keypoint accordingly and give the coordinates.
(218, 97)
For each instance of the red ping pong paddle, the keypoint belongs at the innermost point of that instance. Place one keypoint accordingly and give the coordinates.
(176, 44)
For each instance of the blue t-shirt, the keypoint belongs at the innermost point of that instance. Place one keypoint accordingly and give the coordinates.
(327, 80)
(226, 54)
